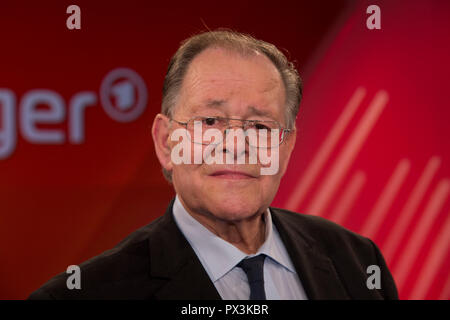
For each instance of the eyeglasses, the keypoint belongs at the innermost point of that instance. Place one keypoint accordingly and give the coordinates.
(258, 133)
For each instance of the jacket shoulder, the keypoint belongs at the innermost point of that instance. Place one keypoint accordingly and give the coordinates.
(322, 232)
(350, 253)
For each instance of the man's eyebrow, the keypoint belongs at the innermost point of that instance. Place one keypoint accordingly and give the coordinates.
(258, 112)
(212, 103)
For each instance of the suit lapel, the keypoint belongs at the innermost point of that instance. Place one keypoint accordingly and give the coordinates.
(175, 264)
(315, 270)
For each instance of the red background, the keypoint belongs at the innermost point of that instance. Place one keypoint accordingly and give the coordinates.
(62, 204)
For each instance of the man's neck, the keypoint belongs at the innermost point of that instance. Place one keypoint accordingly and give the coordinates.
(247, 235)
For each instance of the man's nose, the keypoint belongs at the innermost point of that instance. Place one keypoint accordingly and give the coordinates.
(234, 144)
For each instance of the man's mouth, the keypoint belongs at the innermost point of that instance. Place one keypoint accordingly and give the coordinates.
(232, 174)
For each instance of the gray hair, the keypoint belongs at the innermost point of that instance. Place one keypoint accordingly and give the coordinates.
(241, 43)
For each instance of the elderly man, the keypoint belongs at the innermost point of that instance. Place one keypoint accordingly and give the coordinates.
(232, 101)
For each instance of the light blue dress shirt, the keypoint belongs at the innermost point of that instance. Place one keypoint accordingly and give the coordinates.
(220, 259)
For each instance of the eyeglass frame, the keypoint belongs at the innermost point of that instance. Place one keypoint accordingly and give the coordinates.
(285, 131)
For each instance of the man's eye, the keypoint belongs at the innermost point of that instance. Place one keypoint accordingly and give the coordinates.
(259, 126)
(210, 121)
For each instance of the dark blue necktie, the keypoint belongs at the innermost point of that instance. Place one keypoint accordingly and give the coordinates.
(254, 268)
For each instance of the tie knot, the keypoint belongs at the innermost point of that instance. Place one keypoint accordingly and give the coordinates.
(253, 267)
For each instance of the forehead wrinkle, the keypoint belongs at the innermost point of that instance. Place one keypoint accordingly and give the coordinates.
(202, 82)
(215, 102)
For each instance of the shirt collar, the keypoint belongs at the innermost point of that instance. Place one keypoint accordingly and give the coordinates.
(218, 256)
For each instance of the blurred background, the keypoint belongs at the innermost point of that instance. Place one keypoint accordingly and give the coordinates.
(77, 165)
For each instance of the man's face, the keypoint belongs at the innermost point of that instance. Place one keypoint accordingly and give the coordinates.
(221, 83)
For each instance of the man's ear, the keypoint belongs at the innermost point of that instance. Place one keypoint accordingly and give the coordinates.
(289, 145)
(292, 138)
(160, 134)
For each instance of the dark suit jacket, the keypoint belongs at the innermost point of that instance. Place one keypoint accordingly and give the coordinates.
(157, 262)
